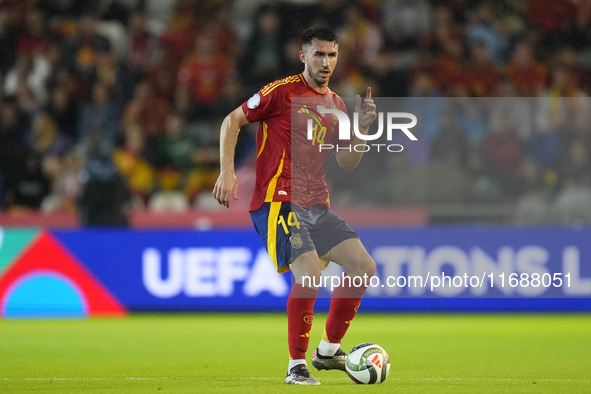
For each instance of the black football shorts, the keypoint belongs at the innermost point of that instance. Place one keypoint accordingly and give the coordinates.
(288, 231)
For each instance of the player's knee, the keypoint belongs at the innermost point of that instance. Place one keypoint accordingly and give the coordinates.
(306, 271)
(369, 266)
(311, 281)
(309, 278)
(364, 266)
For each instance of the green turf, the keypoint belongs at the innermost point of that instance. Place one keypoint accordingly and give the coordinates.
(248, 353)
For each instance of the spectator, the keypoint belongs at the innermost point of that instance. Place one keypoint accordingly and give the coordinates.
(481, 74)
(486, 188)
(449, 65)
(486, 29)
(184, 54)
(82, 47)
(162, 74)
(405, 21)
(519, 109)
(576, 166)
(157, 14)
(106, 199)
(505, 150)
(46, 139)
(69, 186)
(444, 31)
(53, 56)
(31, 73)
(359, 42)
(81, 51)
(179, 34)
(28, 190)
(470, 117)
(129, 161)
(203, 76)
(140, 43)
(528, 75)
(219, 30)
(440, 182)
(65, 184)
(581, 75)
(13, 149)
(580, 35)
(425, 103)
(418, 153)
(553, 18)
(69, 9)
(397, 183)
(572, 204)
(232, 98)
(332, 12)
(116, 76)
(64, 110)
(99, 118)
(196, 163)
(534, 204)
(546, 146)
(450, 144)
(34, 39)
(263, 56)
(562, 104)
(179, 148)
(532, 176)
(67, 79)
(13, 123)
(8, 41)
(27, 103)
(147, 110)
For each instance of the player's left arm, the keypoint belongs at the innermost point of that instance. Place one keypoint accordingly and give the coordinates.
(349, 160)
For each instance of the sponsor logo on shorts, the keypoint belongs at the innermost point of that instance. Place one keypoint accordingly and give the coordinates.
(296, 241)
(308, 319)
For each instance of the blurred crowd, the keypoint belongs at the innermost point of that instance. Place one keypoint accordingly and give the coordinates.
(123, 99)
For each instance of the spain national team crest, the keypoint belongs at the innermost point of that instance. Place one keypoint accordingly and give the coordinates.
(296, 241)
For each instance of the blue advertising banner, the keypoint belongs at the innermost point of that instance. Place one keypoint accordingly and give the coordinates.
(430, 269)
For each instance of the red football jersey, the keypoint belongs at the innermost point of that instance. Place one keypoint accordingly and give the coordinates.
(275, 180)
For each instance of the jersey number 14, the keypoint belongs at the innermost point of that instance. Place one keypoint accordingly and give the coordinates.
(292, 220)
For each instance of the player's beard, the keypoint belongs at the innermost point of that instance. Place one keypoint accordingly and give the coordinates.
(316, 77)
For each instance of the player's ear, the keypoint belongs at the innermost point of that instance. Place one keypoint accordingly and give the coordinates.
(303, 57)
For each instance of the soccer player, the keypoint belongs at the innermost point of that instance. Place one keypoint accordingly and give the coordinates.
(299, 199)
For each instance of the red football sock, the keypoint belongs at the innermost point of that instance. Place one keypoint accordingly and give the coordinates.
(300, 313)
(343, 307)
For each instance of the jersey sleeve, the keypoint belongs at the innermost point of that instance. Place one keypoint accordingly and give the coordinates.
(265, 104)
(336, 142)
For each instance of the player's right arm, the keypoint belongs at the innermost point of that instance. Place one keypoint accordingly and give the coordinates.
(265, 104)
(227, 184)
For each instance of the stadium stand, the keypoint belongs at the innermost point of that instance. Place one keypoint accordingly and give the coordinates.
(146, 83)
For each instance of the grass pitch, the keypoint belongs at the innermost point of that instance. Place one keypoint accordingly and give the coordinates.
(248, 353)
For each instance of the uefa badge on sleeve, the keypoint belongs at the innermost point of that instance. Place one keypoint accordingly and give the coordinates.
(254, 101)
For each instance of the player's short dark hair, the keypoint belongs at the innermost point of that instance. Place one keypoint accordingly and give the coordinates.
(320, 33)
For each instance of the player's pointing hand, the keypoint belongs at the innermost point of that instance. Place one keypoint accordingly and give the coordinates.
(226, 186)
(367, 111)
